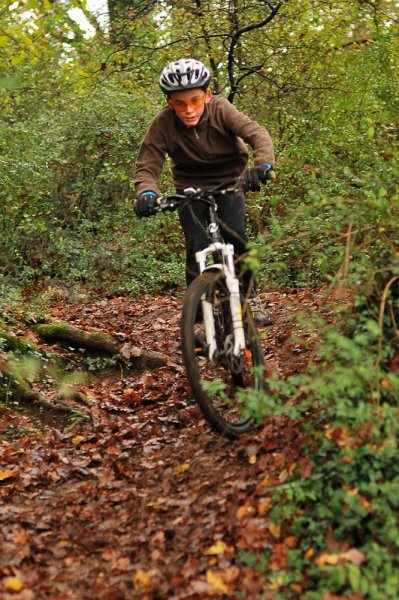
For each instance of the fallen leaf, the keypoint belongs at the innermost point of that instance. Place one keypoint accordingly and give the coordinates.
(278, 557)
(216, 581)
(78, 439)
(291, 541)
(275, 529)
(13, 584)
(276, 583)
(219, 548)
(265, 504)
(365, 503)
(306, 467)
(352, 491)
(327, 559)
(113, 450)
(309, 168)
(142, 579)
(201, 587)
(127, 351)
(155, 555)
(110, 553)
(265, 481)
(354, 556)
(251, 452)
(338, 434)
(6, 475)
(181, 468)
(244, 511)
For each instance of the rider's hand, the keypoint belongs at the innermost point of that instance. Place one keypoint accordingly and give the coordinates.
(146, 204)
(257, 175)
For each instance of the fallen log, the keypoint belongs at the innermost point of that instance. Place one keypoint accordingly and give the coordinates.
(60, 332)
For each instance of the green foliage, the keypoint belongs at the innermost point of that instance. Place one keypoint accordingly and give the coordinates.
(343, 510)
(67, 210)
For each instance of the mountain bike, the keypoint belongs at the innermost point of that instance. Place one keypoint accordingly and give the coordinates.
(221, 346)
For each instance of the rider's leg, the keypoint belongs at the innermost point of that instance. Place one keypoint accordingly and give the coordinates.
(192, 218)
(193, 221)
(231, 211)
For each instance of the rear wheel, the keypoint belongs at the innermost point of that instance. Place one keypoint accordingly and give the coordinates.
(216, 383)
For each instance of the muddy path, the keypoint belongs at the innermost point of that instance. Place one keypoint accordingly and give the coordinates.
(144, 500)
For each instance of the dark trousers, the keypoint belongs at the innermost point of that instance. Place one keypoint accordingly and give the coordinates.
(193, 219)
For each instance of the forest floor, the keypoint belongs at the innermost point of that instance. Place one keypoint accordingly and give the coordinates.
(143, 500)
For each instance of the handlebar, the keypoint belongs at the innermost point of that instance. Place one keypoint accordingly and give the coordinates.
(170, 202)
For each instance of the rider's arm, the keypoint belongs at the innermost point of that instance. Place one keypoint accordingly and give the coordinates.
(150, 158)
(253, 134)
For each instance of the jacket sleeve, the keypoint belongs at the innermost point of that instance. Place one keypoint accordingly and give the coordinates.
(150, 159)
(253, 134)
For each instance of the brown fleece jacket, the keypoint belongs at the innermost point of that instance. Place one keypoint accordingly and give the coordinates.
(205, 155)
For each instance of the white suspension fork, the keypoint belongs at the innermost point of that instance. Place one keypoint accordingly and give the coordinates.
(232, 283)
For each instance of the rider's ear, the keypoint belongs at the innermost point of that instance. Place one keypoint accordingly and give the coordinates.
(169, 102)
(208, 96)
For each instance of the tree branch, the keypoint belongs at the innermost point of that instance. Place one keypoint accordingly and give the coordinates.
(234, 41)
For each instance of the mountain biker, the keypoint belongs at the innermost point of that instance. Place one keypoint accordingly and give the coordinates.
(205, 137)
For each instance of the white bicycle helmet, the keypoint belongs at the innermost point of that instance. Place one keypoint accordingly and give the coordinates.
(184, 74)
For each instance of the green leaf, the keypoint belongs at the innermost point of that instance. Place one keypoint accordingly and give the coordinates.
(10, 83)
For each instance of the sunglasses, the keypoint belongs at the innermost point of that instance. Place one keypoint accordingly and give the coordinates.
(194, 103)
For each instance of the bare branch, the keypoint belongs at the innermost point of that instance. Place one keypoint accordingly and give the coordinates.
(234, 41)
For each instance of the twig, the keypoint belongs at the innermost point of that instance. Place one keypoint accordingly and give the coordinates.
(381, 318)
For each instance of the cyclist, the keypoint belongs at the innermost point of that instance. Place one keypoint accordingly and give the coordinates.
(205, 137)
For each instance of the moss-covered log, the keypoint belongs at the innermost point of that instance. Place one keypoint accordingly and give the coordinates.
(59, 332)
(15, 343)
(63, 332)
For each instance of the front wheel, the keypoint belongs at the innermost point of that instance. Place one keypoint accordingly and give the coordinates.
(216, 383)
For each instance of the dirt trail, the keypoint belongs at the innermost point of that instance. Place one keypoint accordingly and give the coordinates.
(144, 501)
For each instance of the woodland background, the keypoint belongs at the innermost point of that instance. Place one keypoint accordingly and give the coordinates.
(323, 77)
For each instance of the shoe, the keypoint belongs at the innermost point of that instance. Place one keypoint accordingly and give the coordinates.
(259, 314)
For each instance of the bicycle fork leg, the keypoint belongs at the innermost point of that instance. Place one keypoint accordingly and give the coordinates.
(236, 313)
(209, 323)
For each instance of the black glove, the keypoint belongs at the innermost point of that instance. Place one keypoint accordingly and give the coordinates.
(257, 175)
(146, 204)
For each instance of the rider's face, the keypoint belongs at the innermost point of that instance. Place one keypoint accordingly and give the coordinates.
(189, 105)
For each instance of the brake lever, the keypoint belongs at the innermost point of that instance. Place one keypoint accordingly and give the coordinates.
(165, 204)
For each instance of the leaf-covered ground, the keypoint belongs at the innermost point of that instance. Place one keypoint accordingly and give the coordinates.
(144, 500)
